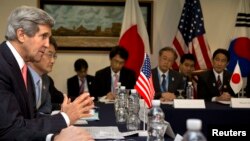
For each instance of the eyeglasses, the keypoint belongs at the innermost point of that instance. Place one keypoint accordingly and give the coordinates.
(51, 55)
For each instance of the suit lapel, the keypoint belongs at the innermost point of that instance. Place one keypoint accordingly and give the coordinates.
(23, 95)
(212, 83)
(77, 85)
(108, 72)
(156, 80)
(171, 80)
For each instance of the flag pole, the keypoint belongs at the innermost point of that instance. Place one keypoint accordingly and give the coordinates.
(143, 133)
(144, 117)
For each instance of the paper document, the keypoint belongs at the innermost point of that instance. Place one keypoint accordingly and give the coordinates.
(106, 101)
(129, 133)
(81, 122)
(108, 132)
(92, 118)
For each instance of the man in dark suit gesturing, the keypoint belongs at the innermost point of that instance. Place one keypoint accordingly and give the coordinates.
(166, 81)
(82, 82)
(213, 85)
(27, 38)
(106, 79)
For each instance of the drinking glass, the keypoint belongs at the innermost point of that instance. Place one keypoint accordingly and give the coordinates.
(180, 96)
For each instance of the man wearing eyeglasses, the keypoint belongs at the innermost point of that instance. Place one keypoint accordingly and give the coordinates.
(41, 80)
(106, 79)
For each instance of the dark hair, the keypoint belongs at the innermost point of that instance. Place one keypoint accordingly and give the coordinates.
(222, 51)
(53, 42)
(80, 64)
(118, 50)
(187, 56)
(168, 49)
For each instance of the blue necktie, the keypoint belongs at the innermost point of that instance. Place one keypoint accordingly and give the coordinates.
(163, 83)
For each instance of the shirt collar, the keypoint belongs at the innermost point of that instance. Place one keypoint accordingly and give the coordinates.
(113, 73)
(17, 56)
(35, 76)
(216, 74)
(161, 73)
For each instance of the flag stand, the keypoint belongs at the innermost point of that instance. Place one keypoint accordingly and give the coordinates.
(144, 132)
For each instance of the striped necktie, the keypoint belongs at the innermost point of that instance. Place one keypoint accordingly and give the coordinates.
(218, 82)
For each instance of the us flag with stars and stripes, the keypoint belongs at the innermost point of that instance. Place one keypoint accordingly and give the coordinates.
(190, 37)
(144, 83)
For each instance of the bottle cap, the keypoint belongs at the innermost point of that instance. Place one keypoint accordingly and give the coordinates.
(189, 83)
(194, 124)
(133, 91)
(156, 102)
(123, 87)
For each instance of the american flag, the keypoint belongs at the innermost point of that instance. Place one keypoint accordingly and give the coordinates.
(190, 37)
(144, 84)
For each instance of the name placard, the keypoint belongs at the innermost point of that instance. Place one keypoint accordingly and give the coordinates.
(240, 102)
(189, 103)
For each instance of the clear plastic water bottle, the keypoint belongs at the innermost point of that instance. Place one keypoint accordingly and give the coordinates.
(133, 120)
(193, 132)
(121, 112)
(190, 91)
(133, 102)
(117, 91)
(156, 126)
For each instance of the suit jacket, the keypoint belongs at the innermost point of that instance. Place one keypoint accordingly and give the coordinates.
(73, 86)
(56, 95)
(207, 88)
(17, 105)
(175, 81)
(46, 105)
(102, 82)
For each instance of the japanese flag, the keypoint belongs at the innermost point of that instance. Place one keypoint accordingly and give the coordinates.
(236, 81)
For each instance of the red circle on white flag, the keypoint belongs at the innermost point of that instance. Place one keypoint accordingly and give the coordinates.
(236, 78)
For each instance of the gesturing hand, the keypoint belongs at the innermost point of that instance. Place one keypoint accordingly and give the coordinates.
(79, 108)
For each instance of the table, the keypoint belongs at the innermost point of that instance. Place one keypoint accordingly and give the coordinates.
(215, 115)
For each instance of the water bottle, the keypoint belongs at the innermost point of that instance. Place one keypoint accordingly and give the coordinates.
(117, 91)
(133, 120)
(156, 126)
(193, 132)
(121, 113)
(190, 91)
(133, 102)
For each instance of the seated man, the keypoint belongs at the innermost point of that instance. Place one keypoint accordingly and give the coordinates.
(186, 68)
(107, 78)
(213, 85)
(81, 82)
(42, 82)
(166, 81)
